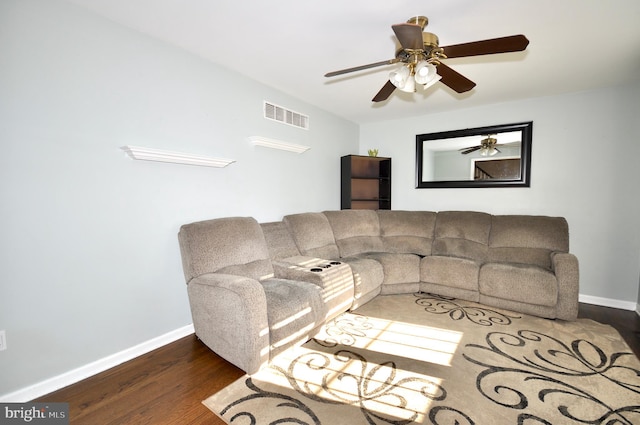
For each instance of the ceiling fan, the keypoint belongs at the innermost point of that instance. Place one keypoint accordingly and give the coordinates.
(488, 146)
(421, 58)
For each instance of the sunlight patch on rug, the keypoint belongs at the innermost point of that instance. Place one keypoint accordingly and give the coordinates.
(413, 341)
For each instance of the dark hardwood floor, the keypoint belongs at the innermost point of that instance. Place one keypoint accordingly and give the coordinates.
(167, 385)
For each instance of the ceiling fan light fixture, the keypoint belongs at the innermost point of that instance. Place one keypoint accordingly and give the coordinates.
(420, 52)
(425, 72)
(432, 82)
(409, 86)
(400, 77)
(488, 151)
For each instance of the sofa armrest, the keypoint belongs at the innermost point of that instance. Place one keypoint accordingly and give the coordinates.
(314, 270)
(230, 316)
(565, 267)
(335, 278)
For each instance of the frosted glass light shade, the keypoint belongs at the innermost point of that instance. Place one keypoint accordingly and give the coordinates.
(432, 82)
(425, 72)
(400, 77)
(409, 86)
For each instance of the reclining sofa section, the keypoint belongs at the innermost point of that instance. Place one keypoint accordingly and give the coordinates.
(258, 289)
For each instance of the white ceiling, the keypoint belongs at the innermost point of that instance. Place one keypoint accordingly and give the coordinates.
(574, 45)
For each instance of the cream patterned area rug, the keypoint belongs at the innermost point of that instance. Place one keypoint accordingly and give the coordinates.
(421, 358)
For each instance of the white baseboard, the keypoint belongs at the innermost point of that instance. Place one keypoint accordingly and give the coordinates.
(608, 302)
(83, 372)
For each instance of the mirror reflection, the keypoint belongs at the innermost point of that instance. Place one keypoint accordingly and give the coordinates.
(477, 157)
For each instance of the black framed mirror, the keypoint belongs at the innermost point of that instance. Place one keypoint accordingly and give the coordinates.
(492, 156)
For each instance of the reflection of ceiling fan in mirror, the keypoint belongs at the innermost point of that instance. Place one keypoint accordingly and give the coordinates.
(488, 146)
(421, 58)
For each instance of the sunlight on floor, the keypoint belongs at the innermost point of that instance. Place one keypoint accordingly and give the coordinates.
(350, 380)
(424, 343)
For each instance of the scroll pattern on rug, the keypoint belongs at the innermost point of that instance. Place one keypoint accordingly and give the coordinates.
(458, 310)
(505, 371)
(567, 378)
(382, 393)
(364, 386)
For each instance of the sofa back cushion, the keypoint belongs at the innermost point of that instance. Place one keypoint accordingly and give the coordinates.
(462, 234)
(279, 240)
(312, 234)
(527, 239)
(355, 231)
(407, 232)
(233, 245)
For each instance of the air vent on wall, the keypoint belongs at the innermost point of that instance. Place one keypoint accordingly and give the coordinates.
(285, 116)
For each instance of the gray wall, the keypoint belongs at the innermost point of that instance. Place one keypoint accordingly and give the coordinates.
(584, 166)
(90, 263)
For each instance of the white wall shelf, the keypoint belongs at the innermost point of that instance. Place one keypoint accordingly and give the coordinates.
(148, 154)
(277, 144)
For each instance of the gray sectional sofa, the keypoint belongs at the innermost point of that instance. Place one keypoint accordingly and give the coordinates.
(256, 289)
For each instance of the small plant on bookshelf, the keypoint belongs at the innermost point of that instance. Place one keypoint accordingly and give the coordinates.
(373, 152)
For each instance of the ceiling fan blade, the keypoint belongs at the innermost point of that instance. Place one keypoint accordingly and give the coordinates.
(454, 80)
(514, 43)
(469, 150)
(361, 67)
(409, 36)
(384, 92)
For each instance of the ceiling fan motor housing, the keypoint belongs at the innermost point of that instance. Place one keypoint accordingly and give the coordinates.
(430, 42)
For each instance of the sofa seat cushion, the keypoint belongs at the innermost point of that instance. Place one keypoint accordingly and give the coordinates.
(368, 275)
(398, 268)
(450, 271)
(519, 282)
(294, 310)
